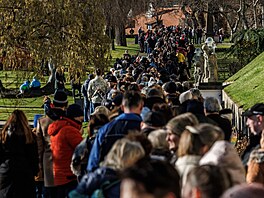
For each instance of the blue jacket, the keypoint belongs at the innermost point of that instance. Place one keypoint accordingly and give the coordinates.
(35, 83)
(108, 134)
(93, 181)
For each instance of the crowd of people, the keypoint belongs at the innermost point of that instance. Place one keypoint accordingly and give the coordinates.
(150, 134)
(159, 153)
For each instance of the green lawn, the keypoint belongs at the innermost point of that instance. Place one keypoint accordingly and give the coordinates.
(31, 106)
(247, 84)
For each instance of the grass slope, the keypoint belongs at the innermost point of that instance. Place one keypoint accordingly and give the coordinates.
(247, 84)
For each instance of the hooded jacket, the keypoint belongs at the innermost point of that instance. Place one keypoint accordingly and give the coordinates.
(64, 137)
(108, 134)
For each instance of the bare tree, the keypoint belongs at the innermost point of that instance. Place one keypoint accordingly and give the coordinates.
(116, 13)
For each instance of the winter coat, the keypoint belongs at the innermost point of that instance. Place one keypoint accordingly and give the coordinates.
(59, 80)
(24, 86)
(253, 145)
(149, 102)
(223, 123)
(223, 154)
(18, 166)
(185, 164)
(64, 137)
(93, 181)
(108, 134)
(97, 89)
(35, 84)
(43, 141)
(256, 167)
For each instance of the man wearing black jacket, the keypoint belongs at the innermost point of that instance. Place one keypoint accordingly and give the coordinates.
(212, 108)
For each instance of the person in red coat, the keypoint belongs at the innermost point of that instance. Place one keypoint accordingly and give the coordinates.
(65, 135)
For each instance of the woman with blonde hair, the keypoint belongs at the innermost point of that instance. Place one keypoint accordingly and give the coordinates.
(18, 157)
(123, 154)
(195, 141)
(160, 148)
(175, 128)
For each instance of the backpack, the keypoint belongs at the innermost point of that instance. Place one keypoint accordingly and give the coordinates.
(99, 193)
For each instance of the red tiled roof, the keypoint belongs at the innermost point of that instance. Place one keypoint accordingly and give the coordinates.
(172, 16)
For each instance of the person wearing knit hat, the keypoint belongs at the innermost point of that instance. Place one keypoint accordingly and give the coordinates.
(60, 98)
(65, 135)
(53, 112)
(153, 120)
(75, 112)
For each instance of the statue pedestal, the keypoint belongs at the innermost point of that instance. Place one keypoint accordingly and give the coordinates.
(211, 89)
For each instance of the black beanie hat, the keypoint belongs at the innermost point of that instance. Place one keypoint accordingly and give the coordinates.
(154, 119)
(74, 110)
(60, 99)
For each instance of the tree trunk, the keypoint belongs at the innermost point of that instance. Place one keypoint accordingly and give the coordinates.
(112, 38)
(262, 16)
(243, 14)
(254, 4)
(120, 35)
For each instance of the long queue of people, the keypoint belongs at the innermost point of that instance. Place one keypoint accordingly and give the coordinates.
(150, 134)
(157, 154)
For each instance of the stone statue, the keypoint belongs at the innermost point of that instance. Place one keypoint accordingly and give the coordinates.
(210, 61)
(205, 63)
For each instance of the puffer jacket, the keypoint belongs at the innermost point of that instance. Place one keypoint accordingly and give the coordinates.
(64, 136)
(256, 167)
